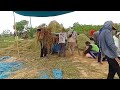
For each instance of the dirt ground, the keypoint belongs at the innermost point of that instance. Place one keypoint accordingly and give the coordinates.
(73, 67)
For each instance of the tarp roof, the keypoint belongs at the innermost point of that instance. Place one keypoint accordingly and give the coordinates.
(42, 13)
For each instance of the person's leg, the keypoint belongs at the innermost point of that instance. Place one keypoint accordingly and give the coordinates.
(99, 57)
(112, 68)
(53, 52)
(92, 54)
(116, 68)
(88, 55)
(70, 45)
(41, 52)
(96, 54)
(73, 47)
(45, 52)
(64, 49)
(60, 45)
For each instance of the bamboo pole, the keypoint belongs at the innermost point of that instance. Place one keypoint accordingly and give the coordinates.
(30, 23)
(16, 37)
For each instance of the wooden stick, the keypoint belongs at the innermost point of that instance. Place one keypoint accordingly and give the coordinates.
(16, 38)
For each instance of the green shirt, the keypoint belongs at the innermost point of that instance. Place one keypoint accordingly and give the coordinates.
(95, 47)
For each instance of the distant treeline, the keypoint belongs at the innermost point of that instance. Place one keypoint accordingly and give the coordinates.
(54, 26)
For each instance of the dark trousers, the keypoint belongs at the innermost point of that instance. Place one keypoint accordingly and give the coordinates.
(93, 54)
(43, 52)
(100, 59)
(62, 49)
(113, 68)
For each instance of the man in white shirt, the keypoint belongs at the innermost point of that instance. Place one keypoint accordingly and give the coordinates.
(117, 42)
(62, 42)
(72, 41)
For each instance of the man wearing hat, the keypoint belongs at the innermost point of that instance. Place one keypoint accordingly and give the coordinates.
(72, 41)
(108, 48)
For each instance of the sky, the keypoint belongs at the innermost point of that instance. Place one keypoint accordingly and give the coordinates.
(83, 17)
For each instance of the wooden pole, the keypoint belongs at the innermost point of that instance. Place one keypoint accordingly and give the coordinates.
(30, 23)
(16, 37)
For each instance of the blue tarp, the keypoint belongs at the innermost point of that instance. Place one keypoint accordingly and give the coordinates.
(3, 58)
(44, 75)
(57, 74)
(7, 68)
(42, 13)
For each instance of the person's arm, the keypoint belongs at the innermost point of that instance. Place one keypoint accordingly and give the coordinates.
(88, 50)
(66, 36)
(110, 42)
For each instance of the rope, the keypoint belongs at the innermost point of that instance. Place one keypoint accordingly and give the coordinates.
(16, 38)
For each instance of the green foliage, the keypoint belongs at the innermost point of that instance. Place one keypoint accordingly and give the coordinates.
(20, 26)
(31, 32)
(23, 25)
(6, 41)
(84, 29)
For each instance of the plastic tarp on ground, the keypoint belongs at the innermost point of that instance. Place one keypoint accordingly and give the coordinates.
(42, 13)
(56, 73)
(7, 68)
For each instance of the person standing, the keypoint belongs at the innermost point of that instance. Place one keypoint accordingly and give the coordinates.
(62, 42)
(108, 48)
(72, 41)
(117, 42)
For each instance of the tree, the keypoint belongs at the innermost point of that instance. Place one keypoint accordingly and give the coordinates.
(20, 26)
(31, 32)
(77, 27)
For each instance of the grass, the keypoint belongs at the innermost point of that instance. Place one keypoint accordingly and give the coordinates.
(77, 67)
(6, 41)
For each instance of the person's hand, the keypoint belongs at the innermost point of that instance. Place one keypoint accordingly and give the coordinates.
(118, 60)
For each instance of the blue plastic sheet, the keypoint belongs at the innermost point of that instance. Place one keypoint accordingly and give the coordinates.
(4, 75)
(6, 68)
(44, 75)
(57, 74)
(3, 58)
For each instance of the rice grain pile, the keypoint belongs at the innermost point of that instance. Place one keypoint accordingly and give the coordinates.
(82, 38)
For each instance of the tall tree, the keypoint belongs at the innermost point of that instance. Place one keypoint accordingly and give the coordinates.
(20, 26)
